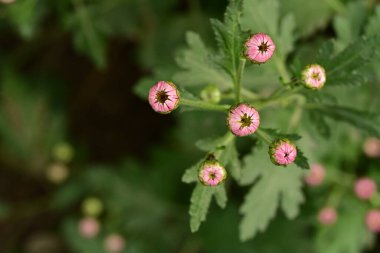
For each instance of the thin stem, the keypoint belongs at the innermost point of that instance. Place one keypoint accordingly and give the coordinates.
(238, 78)
(248, 94)
(282, 70)
(264, 136)
(204, 105)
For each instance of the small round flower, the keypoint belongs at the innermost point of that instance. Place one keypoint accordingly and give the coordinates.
(212, 94)
(314, 76)
(92, 207)
(327, 216)
(114, 243)
(316, 175)
(259, 48)
(371, 147)
(243, 120)
(89, 227)
(373, 220)
(282, 152)
(365, 188)
(163, 97)
(211, 173)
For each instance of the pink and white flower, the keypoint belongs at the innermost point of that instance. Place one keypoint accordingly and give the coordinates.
(259, 48)
(365, 188)
(163, 97)
(282, 152)
(211, 173)
(314, 76)
(114, 243)
(316, 175)
(373, 220)
(371, 147)
(89, 227)
(327, 216)
(243, 120)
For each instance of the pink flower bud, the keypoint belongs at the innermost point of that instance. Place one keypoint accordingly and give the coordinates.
(89, 227)
(372, 147)
(373, 220)
(163, 97)
(243, 120)
(314, 76)
(114, 243)
(282, 152)
(259, 48)
(316, 175)
(327, 216)
(211, 173)
(365, 188)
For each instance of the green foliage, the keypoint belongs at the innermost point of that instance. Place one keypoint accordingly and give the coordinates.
(273, 186)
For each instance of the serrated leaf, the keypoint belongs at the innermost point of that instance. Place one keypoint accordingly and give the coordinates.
(230, 37)
(199, 67)
(301, 161)
(273, 184)
(199, 204)
(343, 68)
(349, 234)
(191, 174)
(364, 121)
(221, 196)
(230, 158)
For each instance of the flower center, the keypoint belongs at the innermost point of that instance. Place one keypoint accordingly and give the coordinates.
(263, 47)
(212, 175)
(315, 76)
(162, 96)
(245, 121)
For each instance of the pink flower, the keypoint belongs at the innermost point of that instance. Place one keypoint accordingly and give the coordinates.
(314, 76)
(316, 175)
(372, 147)
(163, 97)
(327, 216)
(89, 227)
(114, 243)
(282, 152)
(373, 220)
(243, 120)
(212, 173)
(259, 48)
(365, 188)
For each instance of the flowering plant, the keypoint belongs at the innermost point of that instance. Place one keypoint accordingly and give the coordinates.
(304, 89)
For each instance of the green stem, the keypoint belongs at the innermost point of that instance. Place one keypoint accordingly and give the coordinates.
(277, 98)
(282, 70)
(238, 78)
(203, 105)
(264, 136)
(248, 94)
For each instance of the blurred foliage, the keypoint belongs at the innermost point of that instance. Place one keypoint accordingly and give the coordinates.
(143, 198)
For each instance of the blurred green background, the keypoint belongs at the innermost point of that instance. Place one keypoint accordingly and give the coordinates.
(76, 141)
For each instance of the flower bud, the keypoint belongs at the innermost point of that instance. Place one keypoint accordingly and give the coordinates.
(92, 207)
(211, 94)
(259, 48)
(365, 188)
(314, 76)
(164, 97)
(89, 227)
(282, 152)
(373, 220)
(243, 120)
(211, 173)
(371, 147)
(114, 243)
(327, 216)
(316, 175)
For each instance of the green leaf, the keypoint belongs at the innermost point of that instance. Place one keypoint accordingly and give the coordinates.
(275, 134)
(199, 67)
(319, 123)
(348, 27)
(191, 174)
(221, 196)
(373, 27)
(364, 121)
(274, 185)
(349, 234)
(230, 37)
(343, 68)
(301, 161)
(230, 158)
(199, 204)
